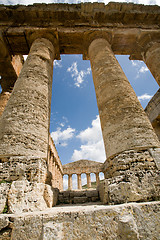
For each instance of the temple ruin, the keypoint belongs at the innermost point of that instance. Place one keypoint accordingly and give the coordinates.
(31, 173)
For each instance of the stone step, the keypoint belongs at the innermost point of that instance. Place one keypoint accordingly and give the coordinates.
(78, 196)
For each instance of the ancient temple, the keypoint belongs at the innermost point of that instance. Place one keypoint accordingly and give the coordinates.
(31, 172)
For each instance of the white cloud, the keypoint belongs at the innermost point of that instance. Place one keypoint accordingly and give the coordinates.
(92, 147)
(62, 136)
(78, 76)
(143, 69)
(140, 66)
(27, 2)
(58, 63)
(145, 97)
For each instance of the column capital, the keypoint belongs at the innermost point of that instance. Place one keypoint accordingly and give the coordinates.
(51, 36)
(90, 36)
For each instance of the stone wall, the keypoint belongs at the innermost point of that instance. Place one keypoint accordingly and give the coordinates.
(134, 221)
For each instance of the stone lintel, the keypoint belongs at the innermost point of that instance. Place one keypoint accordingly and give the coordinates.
(126, 25)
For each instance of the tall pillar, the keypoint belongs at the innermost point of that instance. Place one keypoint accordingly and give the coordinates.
(123, 120)
(79, 182)
(97, 179)
(24, 125)
(88, 180)
(70, 182)
(132, 147)
(152, 60)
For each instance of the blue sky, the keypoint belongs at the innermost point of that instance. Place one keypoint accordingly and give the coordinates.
(75, 125)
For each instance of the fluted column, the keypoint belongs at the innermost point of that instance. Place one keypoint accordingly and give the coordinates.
(123, 120)
(79, 182)
(152, 60)
(70, 182)
(88, 180)
(27, 114)
(97, 179)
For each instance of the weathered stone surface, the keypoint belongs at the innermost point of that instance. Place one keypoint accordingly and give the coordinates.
(135, 221)
(15, 168)
(4, 96)
(153, 112)
(23, 131)
(131, 187)
(80, 199)
(25, 196)
(4, 189)
(131, 160)
(123, 120)
(4, 222)
(81, 196)
(48, 195)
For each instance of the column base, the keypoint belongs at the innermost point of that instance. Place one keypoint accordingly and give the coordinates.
(23, 185)
(135, 178)
(23, 168)
(23, 196)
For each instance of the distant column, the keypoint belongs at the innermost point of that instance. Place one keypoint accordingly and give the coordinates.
(88, 180)
(79, 181)
(70, 182)
(97, 179)
(152, 60)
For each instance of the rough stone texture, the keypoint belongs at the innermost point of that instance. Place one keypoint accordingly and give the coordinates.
(152, 60)
(73, 24)
(4, 96)
(55, 168)
(15, 168)
(81, 196)
(131, 176)
(134, 221)
(23, 131)
(25, 196)
(4, 221)
(123, 120)
(153, 112)
(4, 189)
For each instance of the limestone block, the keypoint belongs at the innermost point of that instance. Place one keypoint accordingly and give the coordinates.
(92, 193)
(55, 196)
(48, 195)
(127, 228)
(80, 199)
(4, 189)
(25, 196)
(132, 187)
(4, 221)
(26, 228)
(52, 231)
(133, 221)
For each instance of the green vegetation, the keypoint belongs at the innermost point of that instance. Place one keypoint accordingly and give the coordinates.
(93, 185)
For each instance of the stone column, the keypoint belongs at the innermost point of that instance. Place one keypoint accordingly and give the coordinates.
(79, 183)
(97, 179)
(88, 180)
(24, 125)
(131, 145)
(152, 60)
(123, 120)
(70, 182)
